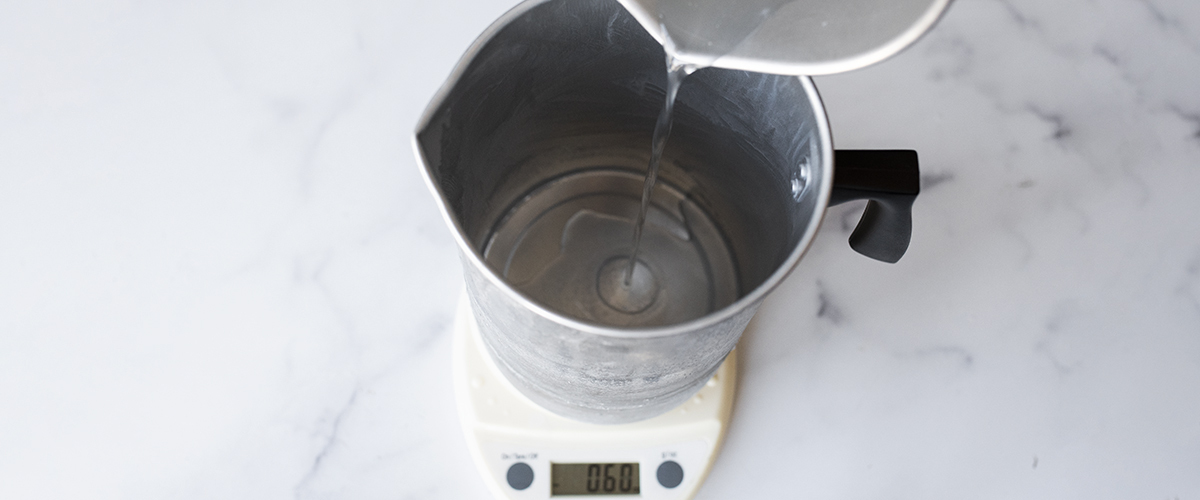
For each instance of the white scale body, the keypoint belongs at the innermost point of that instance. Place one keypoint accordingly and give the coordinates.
(505, 429)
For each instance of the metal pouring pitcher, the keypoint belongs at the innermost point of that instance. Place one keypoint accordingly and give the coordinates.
(549, 115)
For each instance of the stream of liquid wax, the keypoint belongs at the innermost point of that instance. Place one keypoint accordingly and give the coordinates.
(668, 284)
(676, 72)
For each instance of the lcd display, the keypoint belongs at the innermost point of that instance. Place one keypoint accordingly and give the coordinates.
(594, 479)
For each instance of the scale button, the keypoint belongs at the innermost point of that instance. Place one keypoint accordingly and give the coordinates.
(670, 474)
(520, 475)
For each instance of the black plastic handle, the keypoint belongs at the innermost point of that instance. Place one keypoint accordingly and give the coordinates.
(891, 179)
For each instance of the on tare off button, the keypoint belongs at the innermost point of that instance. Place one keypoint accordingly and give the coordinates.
(519, 476)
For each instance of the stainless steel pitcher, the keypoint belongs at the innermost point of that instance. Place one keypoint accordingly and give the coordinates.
(554, 106)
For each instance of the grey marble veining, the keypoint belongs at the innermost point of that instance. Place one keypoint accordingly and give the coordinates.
(221, 275)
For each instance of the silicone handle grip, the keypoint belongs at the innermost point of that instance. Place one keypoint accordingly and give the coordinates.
(891, 180)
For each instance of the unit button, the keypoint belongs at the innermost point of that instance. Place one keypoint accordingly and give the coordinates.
(520, 475)
(670, 474)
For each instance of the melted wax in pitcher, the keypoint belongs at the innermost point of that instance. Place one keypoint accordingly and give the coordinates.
(613, 259)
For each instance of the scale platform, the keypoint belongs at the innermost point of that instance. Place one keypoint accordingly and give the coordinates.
(525, 452)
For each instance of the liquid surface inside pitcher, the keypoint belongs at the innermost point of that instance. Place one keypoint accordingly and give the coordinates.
(567, 246)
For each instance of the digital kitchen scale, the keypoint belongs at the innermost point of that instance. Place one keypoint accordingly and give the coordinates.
(527, 452)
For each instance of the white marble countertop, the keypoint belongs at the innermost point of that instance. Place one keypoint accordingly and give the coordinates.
(221, 275)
